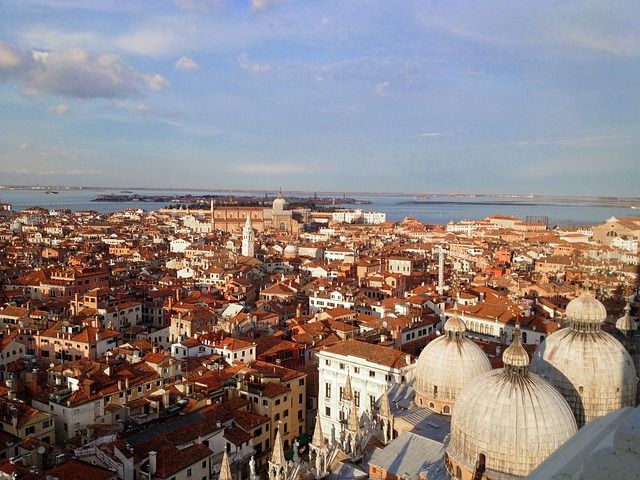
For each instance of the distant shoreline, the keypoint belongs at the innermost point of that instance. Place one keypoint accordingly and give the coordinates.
(417, 198)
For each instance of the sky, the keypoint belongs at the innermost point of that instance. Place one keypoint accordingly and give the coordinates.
(359, 95)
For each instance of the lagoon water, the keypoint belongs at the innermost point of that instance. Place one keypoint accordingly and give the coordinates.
(436, 210)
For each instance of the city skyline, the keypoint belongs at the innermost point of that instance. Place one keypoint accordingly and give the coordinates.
(251, 95)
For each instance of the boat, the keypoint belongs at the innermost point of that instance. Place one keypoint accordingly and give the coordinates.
(51, 192)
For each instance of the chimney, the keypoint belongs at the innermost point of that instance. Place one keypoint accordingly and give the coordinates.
(153, 457)
(298, 310)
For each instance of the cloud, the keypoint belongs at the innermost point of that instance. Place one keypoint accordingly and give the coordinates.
(60, 109)
(153, 42)
(253, 67)
(382, 87)
(186, 63)
(136, 108)
(271, 168)
(591, 141)
(10, 58)
(45, 38)
(432, 134)
(156, 82)
(258, 5)
(73, 72)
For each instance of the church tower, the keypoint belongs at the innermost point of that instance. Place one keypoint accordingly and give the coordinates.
(248, 239)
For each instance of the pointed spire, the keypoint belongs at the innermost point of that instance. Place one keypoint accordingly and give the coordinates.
(277, 456)
(353, 424)
(247, 224)
(347, 392)
(385, 406)
(225, 467)
(318, 437)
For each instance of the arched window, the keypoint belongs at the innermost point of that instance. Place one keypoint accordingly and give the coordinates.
(446, 409)
(432, 405)
(482, 463)
(458, 472)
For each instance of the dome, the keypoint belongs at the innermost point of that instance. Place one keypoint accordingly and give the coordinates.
(592, 370)
(507, 422)
(586, 310)
(625, 323)
(446, 366)
(279, 204)
(290, 251)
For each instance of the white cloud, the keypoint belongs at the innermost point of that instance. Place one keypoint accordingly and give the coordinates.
(73, 72)
(156, 82)
(60, 109)
(382, 87)
(253, 67)
(607, 140)
(10, 58)
(433, 134)
(46, 38)
(186, 63)
(153, 42)
(257, 5)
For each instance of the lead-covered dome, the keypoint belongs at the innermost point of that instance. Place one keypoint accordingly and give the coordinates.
(279, 203)
(447, 365)
(587, 310)
(590, 368)
(507, 422)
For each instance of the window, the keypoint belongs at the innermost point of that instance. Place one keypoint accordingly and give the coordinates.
(342, 366)
(31, 429)
(286, 413)
(301, 382)
(372, 402)
(188, 473)
(341, 394)
(372, 374)
(356, 398)
(356, 369)
(300, 398)
(327, 390)
(327, 412)
(327, 362)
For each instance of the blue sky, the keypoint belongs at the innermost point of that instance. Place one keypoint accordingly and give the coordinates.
(419, 96)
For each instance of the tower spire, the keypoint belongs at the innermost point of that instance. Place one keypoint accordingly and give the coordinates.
(225, 467)
(318, 437)
(277, 456)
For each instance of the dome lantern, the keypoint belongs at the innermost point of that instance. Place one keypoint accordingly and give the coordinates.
(515, 357)
(585, 313)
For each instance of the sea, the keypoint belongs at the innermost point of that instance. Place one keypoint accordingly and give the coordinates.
(434, 210)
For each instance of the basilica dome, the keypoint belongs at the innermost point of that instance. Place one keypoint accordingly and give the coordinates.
(446, 366)
(587, 310)
(279, 204)
(507, 422)
(590, 368)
